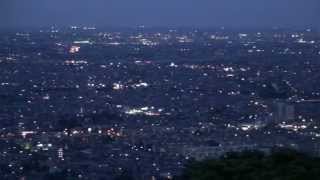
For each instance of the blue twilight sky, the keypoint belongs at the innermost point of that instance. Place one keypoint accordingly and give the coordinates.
(203, 13)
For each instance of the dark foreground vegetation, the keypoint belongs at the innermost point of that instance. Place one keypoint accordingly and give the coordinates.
(278, 165)
(281, 164)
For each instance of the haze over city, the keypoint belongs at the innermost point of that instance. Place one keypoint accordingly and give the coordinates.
(119, 13)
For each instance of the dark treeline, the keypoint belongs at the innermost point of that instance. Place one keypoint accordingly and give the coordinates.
(281, 164)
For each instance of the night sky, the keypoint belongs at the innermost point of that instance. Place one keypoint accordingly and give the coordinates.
(202, 13)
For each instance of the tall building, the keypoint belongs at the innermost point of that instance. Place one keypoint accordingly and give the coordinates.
(283, 112)
(60, 154)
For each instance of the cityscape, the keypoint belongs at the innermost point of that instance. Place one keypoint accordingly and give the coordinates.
(159, 90)
(96, 103)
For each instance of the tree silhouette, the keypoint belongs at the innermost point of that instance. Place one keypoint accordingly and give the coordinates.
(279, 165)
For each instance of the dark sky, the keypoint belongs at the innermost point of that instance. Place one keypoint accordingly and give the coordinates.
(229, 13)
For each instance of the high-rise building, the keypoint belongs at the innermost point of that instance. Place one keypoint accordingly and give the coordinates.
(60, 154)
(283, 112)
